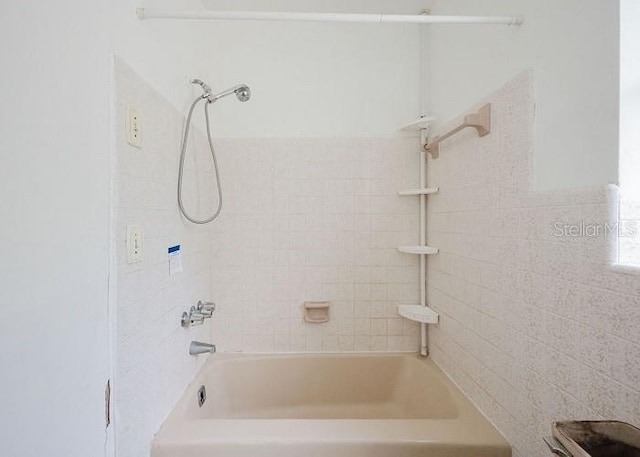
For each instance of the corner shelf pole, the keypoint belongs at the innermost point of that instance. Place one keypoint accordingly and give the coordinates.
(420, 313)
(423, 242)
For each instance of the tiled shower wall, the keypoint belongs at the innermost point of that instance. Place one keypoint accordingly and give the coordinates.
(315, 220)
(536, 325)
(153, 365)
(302, 219)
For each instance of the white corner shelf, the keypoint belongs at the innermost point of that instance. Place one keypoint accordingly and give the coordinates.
(423, 191)
(422, 250)
(418, 313)
(419, 124)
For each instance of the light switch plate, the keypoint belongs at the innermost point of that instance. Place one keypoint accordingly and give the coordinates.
(134, 243)
(133, 127)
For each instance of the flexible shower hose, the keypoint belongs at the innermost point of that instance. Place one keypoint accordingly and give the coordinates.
(215, 164)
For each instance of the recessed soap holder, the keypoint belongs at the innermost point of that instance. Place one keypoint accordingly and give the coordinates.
(316, 312)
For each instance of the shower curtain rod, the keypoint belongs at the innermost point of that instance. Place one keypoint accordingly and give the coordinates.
(150, 13)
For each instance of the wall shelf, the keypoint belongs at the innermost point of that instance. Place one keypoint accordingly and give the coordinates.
(421, 250)
(418, 313)
(419, 124)
(422, 191)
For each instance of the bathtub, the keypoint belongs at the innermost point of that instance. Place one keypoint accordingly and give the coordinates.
(337, 405)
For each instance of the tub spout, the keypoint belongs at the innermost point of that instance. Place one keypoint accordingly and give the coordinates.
(196, 347)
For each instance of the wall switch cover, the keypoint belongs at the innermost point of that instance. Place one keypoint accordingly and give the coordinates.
(133, 127)
(134, 243)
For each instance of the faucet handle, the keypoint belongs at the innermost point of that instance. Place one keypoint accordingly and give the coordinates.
(192, 318)
(206, 308)
(197, 318)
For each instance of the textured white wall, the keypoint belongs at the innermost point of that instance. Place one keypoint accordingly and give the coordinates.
(573, 47)
(54, 179)
(315, 220)
(308, 80)
(311, 79)
(152, 362)
(165, 53)
(535, 324)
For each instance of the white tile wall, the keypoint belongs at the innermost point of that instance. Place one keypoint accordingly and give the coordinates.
(153, 366)
(534, 327)
(315, 219)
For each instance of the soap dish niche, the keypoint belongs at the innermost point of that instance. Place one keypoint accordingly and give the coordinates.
(316, 312)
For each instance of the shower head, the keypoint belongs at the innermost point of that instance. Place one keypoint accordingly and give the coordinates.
(242, 91)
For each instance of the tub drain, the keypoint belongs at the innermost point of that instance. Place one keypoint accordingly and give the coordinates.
(202, 396)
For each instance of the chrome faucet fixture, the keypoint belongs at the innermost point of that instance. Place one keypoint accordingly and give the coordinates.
(191, 319)
(196, 347)
(206, 308)
(197, 314)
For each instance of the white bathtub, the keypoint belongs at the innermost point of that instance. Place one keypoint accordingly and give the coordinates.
(356, 405)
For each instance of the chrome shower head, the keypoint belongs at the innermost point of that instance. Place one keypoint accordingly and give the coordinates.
(242, 91)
